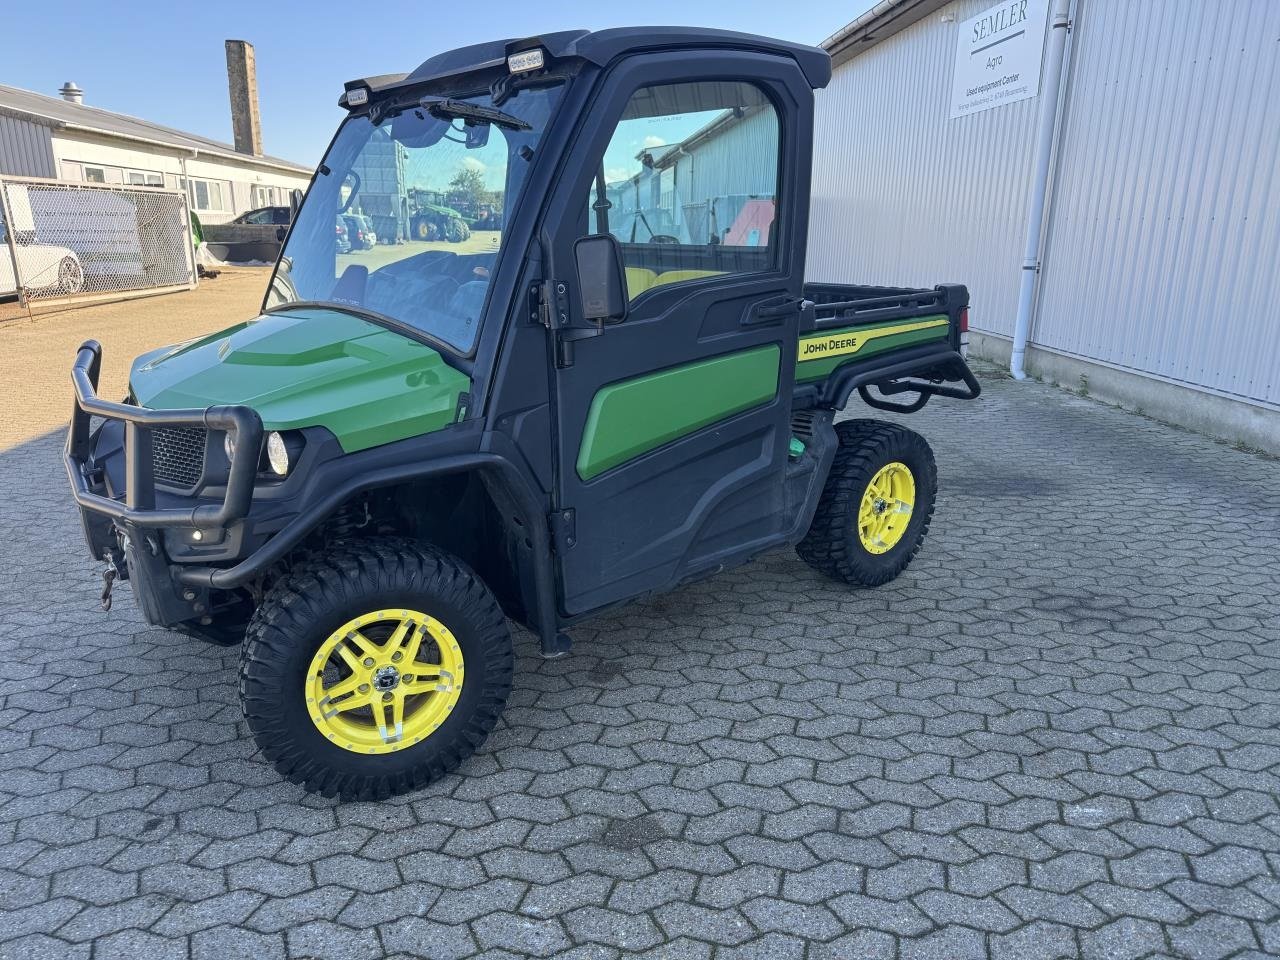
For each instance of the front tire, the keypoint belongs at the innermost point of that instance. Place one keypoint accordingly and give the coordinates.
(876, 505)
(70, 275)
(375, 670)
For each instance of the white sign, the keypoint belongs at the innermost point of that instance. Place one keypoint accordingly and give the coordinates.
(998, 56)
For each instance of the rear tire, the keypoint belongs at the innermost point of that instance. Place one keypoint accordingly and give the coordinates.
(318, 629)
(863, 534)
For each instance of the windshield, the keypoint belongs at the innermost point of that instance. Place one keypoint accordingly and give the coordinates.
(406, 217)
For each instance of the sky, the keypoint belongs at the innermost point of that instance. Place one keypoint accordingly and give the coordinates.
(165, 62)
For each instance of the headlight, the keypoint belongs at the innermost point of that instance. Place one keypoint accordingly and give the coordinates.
(277, 454)
(229, 446)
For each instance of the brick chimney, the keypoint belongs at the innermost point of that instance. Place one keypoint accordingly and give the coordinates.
(242, 83)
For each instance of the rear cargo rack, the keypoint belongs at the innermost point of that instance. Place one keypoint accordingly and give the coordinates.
(140, 489)
(882, 303)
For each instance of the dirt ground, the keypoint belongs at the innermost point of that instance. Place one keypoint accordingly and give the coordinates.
(481, 241)
(36, 353)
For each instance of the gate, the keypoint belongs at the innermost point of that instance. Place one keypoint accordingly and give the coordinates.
(62, 240)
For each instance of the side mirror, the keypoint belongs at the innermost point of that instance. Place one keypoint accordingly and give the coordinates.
(602, 281)
(295, 201)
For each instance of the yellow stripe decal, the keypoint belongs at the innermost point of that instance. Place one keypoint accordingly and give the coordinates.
(851, 341)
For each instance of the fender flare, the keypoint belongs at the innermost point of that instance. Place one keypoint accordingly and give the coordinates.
(502, 471)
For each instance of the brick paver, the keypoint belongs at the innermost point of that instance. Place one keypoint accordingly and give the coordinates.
(1054, 736)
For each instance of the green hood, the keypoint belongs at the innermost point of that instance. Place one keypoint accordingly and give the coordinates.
(309, 367)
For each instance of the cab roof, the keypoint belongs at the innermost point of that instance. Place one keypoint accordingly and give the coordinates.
(600, 47)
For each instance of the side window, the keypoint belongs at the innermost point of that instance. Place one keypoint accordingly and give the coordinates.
(688, 184)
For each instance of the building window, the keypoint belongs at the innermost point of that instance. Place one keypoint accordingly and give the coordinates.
(95, 174)
(262, 196)
(690, 183)
(209, 195)
(141, 178)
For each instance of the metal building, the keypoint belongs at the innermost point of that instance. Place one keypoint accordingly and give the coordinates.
(65, 138)
(1153, 275)
(706, 181)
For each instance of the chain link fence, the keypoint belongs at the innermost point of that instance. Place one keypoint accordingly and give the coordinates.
(69, 239)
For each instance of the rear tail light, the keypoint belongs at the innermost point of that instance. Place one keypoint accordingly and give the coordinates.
(964, 320)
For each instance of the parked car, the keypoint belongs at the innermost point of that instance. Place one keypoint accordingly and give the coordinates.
(360, 231)
(253, 236)
(42, 266)
(343, 237)
(264, 216)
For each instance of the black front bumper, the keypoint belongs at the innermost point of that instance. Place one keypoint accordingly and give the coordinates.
(126, 531)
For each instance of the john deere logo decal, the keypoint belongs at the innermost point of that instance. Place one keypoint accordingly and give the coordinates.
(843, 342)
(830, 346)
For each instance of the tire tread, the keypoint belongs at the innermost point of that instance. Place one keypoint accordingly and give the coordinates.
(304, 596)
(830, 545)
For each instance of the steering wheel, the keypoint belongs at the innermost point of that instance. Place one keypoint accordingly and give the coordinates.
(663, 238)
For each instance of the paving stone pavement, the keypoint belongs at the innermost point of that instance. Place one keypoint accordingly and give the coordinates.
(1054, 736)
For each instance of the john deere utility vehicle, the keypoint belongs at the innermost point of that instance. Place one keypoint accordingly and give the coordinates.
(411, 445)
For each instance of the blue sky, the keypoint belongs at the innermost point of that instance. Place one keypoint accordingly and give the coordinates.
(164, 61)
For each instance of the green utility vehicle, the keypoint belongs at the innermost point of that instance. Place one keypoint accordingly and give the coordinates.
(409, 446)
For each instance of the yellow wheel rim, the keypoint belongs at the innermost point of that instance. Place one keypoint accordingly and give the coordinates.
(384, 681)
(885, 511)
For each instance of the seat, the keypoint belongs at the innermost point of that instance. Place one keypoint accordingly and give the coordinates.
(639, 279)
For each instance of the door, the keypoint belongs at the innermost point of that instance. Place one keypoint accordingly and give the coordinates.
(673, 427)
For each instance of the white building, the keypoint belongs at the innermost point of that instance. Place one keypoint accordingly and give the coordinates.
(63, 138)
(1154, 271)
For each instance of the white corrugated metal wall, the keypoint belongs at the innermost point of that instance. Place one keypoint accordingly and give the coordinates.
(1163, 247)
(742, 157)
(1163, 238)
(903, 196)
(26, 148)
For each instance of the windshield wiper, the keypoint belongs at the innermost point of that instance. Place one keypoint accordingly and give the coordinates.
(355, 310)
(445, 109)
(449, 352)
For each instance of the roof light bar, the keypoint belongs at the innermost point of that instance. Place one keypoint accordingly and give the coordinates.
(357, 96)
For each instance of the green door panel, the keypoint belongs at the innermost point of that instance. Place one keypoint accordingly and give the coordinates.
(309, 367)
(635, 416)
(819, 354)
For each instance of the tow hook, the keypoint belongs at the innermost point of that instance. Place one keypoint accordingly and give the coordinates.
(108, 581)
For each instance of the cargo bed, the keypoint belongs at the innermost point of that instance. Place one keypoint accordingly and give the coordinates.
(893, 340)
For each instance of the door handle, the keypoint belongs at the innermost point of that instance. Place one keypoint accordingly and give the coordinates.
(771, 310)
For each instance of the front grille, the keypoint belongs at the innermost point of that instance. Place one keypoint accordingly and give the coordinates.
(177, 455)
